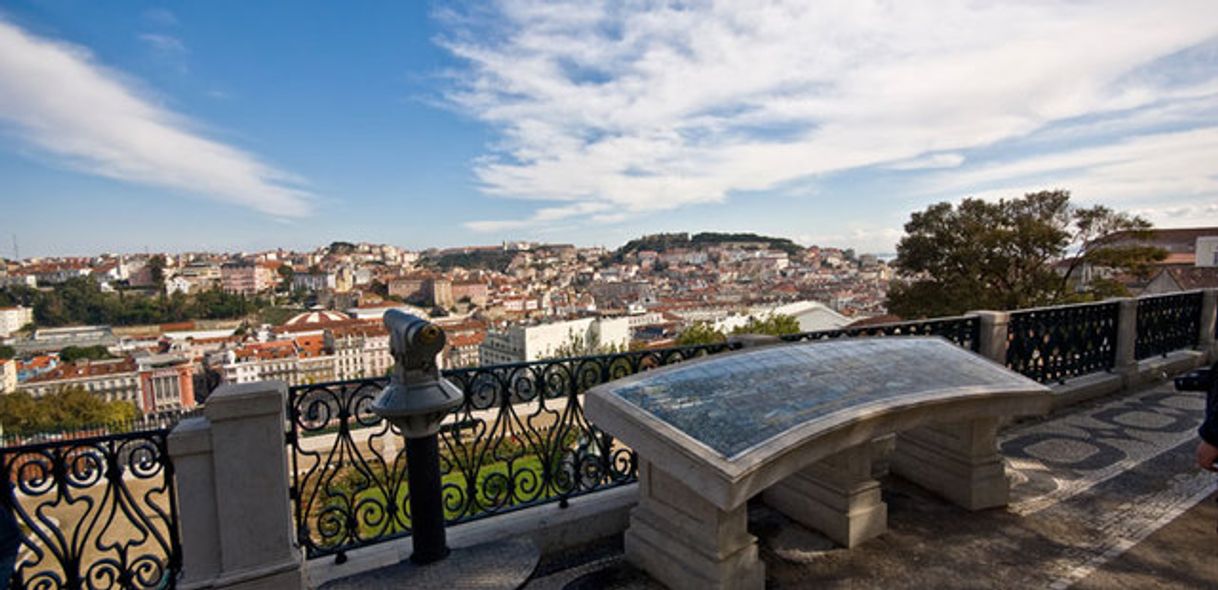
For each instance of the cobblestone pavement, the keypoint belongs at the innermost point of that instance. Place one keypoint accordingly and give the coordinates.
(1090, 485)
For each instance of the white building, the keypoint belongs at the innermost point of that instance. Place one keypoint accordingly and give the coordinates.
(530, 343)
(14, 318)
(8, 375)
(811, 315)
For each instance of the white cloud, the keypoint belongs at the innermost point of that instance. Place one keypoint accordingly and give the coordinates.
(1180, 164)
(163, 43)
(60, 100)
(643, 107)
(930, 161)
(162, 17)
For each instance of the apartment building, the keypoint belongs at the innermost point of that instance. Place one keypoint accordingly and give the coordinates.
(14, 318)
(530, 343)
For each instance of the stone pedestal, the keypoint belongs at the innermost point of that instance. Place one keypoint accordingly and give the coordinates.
(684, 541)
(1126, 362)
(836, 496)
(231, 469)
(960, 462)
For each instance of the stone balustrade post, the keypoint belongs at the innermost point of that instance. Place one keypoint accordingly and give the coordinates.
(992, 338)
(1209, 315)
(753, 340)
(1126, 363)
(232, 479)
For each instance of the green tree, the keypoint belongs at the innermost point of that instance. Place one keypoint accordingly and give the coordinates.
(70, 408)
(286, 273)
(577, 345)
(700, 333)
(772, 325)
(1011, 254)
(156, 270)
(71, 354)
(7, 352)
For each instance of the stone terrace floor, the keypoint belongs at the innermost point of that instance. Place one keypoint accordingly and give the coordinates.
(1105, 496)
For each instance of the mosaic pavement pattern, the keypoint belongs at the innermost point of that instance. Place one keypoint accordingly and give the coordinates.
(1057, 459)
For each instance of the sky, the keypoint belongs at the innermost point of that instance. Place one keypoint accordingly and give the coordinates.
(241, 126)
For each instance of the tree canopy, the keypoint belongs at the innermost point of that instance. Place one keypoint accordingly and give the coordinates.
(1013, 253)
(82, 301)
(71, 354)
(772, 325)
(70, 408)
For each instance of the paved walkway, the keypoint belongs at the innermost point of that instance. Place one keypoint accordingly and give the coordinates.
(1104, 496)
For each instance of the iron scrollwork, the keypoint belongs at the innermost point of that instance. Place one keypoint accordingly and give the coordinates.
(519, 438)
(1167, 323)
(96, 512)
(1057, 343)
(963, 331)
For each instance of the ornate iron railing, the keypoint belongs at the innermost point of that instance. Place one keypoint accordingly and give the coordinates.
(1167, 323)
(97, 512)
(964, 331)
(519, 439)
(1053, 344)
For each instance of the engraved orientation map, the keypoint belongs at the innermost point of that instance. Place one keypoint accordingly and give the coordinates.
(734, 403)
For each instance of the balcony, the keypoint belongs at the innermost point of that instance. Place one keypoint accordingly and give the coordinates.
(304, 485)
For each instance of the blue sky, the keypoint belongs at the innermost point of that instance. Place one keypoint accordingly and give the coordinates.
(251, 125)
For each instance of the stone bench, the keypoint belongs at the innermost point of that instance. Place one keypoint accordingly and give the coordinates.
(795, 424)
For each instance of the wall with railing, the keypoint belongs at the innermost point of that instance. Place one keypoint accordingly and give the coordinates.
(519, 439)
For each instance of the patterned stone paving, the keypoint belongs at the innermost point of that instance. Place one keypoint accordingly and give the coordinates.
(1057, 459)
(1087, 486)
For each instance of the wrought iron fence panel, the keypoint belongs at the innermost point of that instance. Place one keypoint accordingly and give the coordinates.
(96, 512)
(1167, 323)
(520, 438)
(1057, 343)
(964, 331)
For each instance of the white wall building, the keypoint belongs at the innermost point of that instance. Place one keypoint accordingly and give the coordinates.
(14, 318)
(8, 375)
(811, 315)
(530, 343)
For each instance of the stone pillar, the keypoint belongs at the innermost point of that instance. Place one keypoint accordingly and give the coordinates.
(753, 340)
(686, 542)
(960, 462)
(992, 340)
(1127, 338)
(836, 496)
(1209, 314)
(194, 474)
(232, 478)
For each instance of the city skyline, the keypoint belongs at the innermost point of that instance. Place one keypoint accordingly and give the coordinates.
(179, 128)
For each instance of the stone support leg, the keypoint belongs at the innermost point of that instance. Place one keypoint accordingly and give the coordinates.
(685, 542)
(836, 496)
(960, 462)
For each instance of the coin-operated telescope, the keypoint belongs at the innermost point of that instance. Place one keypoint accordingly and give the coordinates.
(416, 401)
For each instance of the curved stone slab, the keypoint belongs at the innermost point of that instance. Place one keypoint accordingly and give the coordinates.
(732, 425)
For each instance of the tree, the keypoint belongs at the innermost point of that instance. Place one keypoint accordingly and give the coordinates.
(7, 352)
(1011, 254)
(577, 345)
(156, 270)
(700, 333)
(772, 325)
(71, 354)
(286, 273)
(70, 408)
